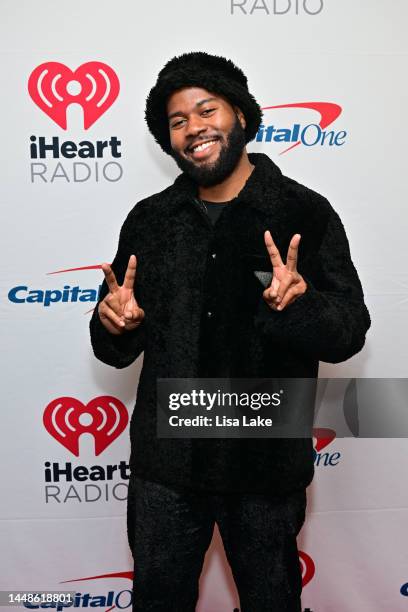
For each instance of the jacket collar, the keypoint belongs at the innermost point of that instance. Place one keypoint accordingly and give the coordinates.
(261, 190)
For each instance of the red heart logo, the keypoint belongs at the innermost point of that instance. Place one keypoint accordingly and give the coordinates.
(307, 567)
(54, 86)
(64, 419)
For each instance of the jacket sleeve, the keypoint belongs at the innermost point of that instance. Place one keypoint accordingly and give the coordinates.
(330, 320)
(117, 351)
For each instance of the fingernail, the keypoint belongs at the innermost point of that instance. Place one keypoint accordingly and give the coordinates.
(122, 323)
(278, 299)
(279, 308)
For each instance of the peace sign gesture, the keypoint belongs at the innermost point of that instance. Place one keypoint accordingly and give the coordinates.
(287, 284)
(119, 310)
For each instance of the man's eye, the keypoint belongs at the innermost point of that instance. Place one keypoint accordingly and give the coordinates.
(208, 110)
(177, 123)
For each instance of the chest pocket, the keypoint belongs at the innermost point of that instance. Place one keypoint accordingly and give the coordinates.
(258, 267)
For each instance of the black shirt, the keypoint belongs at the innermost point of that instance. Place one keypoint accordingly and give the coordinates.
(214, 209)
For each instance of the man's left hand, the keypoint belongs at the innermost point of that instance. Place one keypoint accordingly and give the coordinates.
(287, 284)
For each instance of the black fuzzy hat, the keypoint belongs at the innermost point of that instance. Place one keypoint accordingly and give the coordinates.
(214, 73)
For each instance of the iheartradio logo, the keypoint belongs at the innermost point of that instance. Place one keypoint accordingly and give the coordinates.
(307, 567)
(53, 87)
(104, 417)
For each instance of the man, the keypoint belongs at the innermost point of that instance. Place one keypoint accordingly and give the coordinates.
(241, 272)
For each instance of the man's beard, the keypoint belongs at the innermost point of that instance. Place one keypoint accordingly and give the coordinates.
(207, 175)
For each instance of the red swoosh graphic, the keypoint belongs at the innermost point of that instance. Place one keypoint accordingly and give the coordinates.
(96, 267)
(328, 112)
(323, 437)
(128, 575)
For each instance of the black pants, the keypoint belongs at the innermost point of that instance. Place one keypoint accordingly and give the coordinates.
(169, 533)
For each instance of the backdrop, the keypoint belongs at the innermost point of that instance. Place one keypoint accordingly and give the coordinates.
(75, 157)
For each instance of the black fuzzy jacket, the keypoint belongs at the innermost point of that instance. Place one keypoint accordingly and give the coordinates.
(179, 282)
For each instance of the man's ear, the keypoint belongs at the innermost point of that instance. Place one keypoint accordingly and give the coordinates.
(241, 116)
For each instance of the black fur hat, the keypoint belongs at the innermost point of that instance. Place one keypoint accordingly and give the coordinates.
(198, 69)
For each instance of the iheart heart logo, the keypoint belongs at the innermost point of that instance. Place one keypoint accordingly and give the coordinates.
(307, 567)
(104, 417)
(53, 87)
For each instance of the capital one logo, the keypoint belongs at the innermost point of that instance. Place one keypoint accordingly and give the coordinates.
(322, 438)
(101, 598)
(53, 87)
(104, 417)
(308, 134)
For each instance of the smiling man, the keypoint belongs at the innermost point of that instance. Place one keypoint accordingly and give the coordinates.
(212, 155)
(241, 273)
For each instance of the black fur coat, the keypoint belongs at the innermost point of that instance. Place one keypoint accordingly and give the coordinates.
(179, 282)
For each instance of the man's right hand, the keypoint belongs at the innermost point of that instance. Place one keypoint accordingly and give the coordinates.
(119, 310)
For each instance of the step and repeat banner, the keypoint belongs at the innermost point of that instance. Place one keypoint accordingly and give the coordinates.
(76, 156)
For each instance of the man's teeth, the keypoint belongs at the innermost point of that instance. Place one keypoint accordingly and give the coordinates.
(203, 146)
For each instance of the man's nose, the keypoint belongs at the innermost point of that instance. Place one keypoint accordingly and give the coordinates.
(196, 125)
